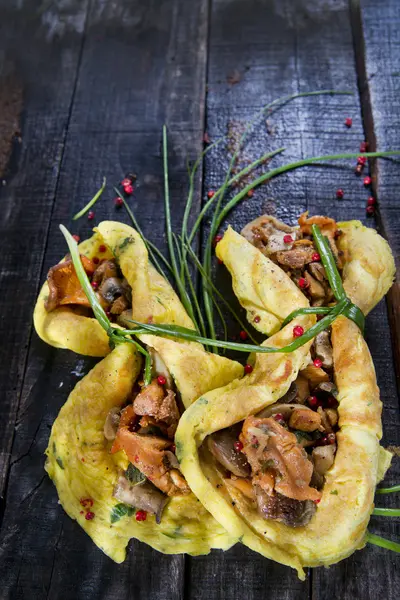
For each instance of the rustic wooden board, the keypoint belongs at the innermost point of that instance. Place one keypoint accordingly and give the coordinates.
(45, 81)
(124, 93)
(97, 109)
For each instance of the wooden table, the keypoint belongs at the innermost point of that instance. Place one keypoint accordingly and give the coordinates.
(85, 86)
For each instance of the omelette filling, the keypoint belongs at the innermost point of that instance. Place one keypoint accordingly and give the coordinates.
(144, 432)
(294, 251)
(111, 287)
(278, 458)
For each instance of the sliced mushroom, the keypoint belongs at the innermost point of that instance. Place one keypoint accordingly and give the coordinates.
(266, 233)
(144, 496)
(317, 271)
(111, 423)
(221, 446)
(315, 375)
(315, 288)
(111, 289)
(105, 270)
(323, 458)
(170, 460)
(294, 513)
(323, 349)
(326, 387)
(303, 389)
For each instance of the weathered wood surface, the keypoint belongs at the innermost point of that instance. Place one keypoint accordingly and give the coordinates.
(97, 86)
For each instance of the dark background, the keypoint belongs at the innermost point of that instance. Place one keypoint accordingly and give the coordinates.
(85, 87)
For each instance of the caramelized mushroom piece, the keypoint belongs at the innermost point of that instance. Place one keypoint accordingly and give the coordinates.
(315, 288)
(111, 289)
(317, 271)
(323, 349)
(294, 513)
(323, 458)
(315, 375)
(303, 389)
(305, 419)
(221, 446)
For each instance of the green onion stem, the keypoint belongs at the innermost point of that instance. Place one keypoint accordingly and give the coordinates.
(328, 262)
(291, 167)
(190, 335)
(309, 310)
(386, 512)
(388, 490)
(151, 249)
(382, 542)
(117, 338)
(91, 202)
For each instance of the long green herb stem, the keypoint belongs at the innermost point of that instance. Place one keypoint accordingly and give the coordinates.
(388, 490)
(382, 542)
(91, 202)
(386, 512)
(309, 310)
(291, 167)
(328, 261)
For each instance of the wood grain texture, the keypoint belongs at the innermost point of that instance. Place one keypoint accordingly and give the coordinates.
(46, 77)
(272, 49)
(136, 74)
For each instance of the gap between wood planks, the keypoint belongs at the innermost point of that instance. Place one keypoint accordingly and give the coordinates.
(393, 296)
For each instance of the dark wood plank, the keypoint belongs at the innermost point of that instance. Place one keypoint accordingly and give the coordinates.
(276, 49)
(39, 59)
(136, 73)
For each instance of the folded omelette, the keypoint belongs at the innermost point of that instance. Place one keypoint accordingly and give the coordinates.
(111, 452)
(287, 458)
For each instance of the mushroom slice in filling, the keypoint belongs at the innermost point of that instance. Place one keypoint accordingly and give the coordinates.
(143, 495)
(222, 445)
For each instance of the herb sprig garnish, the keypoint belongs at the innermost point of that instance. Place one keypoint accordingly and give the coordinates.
(91, 202)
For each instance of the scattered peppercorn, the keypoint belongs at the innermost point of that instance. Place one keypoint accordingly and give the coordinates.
(367, 180)
(126, 182)
(217, 239)
(370, 210)
(361, 160)
(313, 401)
(348, 122)
(328, 439)
(287, 239)
(77, 238)
(118, 201)
(257, 319)
(339, 193)
(90, 215)
(161, 380)
(371, 201)
(303, 283)
(243, 335)
(250, 193)
(298, 331)
(141, 515)
(363, 146)
(96, 260)
(89, 516)
(315, 257)
(95, 285)
(317, 501)
(238, 446)
(248, 369)
(210, 194)
(128, 189)
(102, 248)
(220, 262)
(317, 363)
